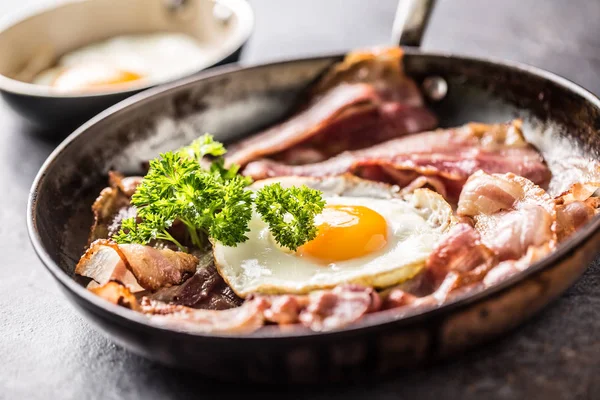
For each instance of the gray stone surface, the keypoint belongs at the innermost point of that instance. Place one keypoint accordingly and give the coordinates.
(48, 351)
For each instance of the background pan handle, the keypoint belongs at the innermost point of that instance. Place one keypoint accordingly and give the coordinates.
(411, 21)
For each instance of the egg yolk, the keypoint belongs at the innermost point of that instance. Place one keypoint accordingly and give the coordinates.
(92, 77)
(346, 232)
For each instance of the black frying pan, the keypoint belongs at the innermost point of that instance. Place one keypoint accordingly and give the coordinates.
(232, 102)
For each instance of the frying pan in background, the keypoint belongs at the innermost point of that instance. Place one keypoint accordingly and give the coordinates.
(560, 117)
(32, 43)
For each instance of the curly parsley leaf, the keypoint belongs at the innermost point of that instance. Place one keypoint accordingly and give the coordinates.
(213, 201)
(230, 224)
(205, 145)
(218, 167)
(178, 188)
(290, 213)
(153, 227)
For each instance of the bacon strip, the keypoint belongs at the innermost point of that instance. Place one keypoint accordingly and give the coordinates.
(516, 224)
(104, 264)
(508, 268)
(460, 251)
(339, 307)
(112, 206)
(244, 319)
(206, 289)
(320, 311)
(510, 213)
(508, 222)
(151, 268)
(576, 207)
(117, 293)
(450, 156)
(364, 100)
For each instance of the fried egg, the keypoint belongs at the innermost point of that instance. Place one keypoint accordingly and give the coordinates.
(125, 60)
(366, 235)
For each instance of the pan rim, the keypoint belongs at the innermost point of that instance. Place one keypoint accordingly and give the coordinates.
(369, 322)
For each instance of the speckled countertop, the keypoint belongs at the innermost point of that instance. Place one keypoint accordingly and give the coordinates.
(47, 351)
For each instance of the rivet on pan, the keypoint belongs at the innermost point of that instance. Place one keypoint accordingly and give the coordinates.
(435, 88)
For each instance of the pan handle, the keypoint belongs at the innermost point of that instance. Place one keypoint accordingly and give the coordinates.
(411, 21)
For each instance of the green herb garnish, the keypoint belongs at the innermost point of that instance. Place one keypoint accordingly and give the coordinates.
(290, 213)
(212, 201)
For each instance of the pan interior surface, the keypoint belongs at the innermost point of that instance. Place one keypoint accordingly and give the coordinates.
(559, 118)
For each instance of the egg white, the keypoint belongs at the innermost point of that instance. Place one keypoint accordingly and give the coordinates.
(157, 57)
(415, 226)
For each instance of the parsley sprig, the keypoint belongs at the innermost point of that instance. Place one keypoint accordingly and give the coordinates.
(213, 201)
(290, 213)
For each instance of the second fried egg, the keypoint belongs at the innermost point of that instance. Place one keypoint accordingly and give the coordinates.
(125, 61)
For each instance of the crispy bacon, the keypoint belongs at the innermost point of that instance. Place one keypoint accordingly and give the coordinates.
(488, 194)
(516, 223)
(362, 101)
(461, 283)
(425, 182)
(320, 311)
(284, 309)
(575, 207)
(104, 264)
(151, 268)
(112, 206)
(511, 233)
(118, 294)
(341, 306)
(244, 319)
(572, 216)
(206, 289)
(381, 67)
(506, 219)
(460, 251)
(450, 156)
(397, 297)
(510, 213)
(508, 268)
